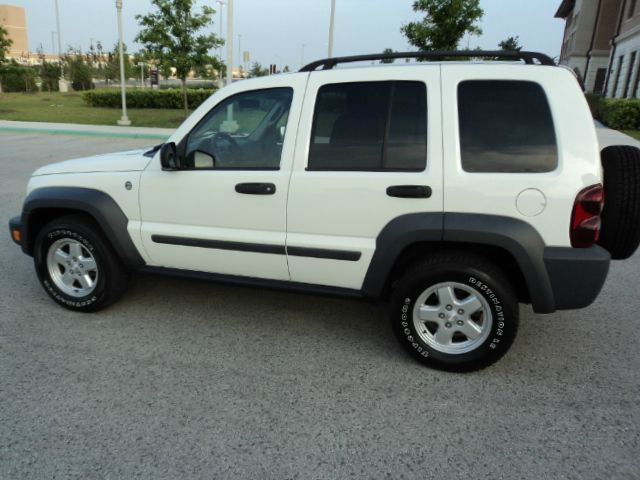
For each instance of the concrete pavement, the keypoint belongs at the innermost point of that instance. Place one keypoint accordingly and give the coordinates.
(191, 380)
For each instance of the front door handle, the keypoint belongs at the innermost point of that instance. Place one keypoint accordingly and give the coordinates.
(409, 191)
(256, 188)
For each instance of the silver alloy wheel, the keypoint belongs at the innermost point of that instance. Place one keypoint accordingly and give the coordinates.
(72, 267)
(452, 318)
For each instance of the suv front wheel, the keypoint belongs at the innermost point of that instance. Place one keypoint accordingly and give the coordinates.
(455, 311)
(76, 265)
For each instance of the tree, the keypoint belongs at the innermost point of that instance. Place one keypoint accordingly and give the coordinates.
(112, 69)
(173, 35)
(445, 23)
(511, 43)
(49, 73)
(387, 51)
(257, 70)
(5, 43)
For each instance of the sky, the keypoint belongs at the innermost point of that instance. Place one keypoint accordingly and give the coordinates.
(291, 32)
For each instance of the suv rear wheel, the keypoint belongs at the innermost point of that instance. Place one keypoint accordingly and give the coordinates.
(76, 265)
(455, 311)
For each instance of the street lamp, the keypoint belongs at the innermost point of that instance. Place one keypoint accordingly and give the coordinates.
(331, 24)
(124, 121)
(221, 3)
(229, 42)
(141, 65)
(59, 41)
(239, 51)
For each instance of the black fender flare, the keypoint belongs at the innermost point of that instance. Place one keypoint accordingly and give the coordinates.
(95, 203)
(518, 238)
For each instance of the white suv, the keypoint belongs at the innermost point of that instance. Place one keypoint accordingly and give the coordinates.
(454, 189)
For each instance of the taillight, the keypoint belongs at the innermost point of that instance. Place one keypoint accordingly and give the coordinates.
(585, 218)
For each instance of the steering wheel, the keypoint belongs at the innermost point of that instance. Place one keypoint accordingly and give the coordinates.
(222, 137)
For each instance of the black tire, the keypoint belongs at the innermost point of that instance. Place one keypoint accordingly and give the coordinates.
(475, 274)
(620, 233)
(111, 279)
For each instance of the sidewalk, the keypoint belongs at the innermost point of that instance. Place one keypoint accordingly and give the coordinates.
(86, 130)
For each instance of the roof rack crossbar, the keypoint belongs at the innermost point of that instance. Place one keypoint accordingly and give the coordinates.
(530, 58)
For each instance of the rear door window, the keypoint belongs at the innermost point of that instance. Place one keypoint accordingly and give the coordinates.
(506, 126)
(370, 126)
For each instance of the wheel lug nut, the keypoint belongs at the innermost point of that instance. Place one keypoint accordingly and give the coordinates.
(460, 312)
(460, 322)
(449, 307)
(448, 324)
(441, 315)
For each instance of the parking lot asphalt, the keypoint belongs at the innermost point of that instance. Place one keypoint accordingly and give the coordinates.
(186, 379)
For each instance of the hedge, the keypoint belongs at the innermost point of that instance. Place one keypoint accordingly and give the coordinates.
(620, 114)
(14, 78)
(616, 113)
(146, 98)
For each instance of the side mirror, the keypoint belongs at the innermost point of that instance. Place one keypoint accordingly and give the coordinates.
(169, 157)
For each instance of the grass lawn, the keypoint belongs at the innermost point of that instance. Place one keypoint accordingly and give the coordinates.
(633, 133)
(69, 108)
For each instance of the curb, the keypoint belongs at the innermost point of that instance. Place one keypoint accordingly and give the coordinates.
(84, 133)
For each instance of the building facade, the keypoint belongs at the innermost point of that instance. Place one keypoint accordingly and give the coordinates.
(589, 29)
(624, 71)
(602, 43)
(14, 21)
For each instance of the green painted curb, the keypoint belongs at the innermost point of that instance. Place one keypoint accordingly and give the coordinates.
(85, 133)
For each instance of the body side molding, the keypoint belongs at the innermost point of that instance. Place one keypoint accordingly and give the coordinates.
(100, 206)
(258, 248)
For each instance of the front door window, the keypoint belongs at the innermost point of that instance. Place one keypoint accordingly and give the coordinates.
(245, 131)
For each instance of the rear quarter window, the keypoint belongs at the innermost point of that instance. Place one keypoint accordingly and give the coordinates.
(505, 126)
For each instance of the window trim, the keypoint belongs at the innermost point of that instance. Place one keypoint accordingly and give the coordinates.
(392, 86)
(182, 146)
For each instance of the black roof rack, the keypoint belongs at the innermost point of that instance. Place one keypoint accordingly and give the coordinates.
(530, 58)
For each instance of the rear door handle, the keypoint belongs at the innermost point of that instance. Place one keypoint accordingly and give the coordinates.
(409, 191)
(256, 188)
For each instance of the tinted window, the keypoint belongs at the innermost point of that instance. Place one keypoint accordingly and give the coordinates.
(245, 131)
(370, 126)
(505, 126)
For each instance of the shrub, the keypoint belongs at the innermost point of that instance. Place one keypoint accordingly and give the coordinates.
(80, 75)
(620, 114)
(594, 102)
(49, 74)
(16, 78)
(145, 98)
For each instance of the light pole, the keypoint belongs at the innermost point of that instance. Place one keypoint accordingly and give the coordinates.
(229, 42)
(331, 24)
(124, 121)
(240, 52)
(221, 3)
(141, 65)
(59, 41)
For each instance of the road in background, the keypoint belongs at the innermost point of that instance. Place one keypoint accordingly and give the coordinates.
(185, 379)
